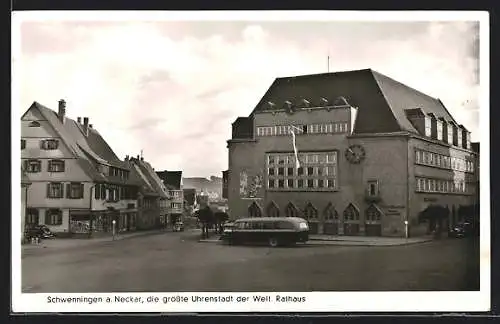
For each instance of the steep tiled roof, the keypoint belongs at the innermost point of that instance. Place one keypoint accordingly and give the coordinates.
(138, 177)
(87, 149)
(381, 100)
(153, 179)
(171, 179)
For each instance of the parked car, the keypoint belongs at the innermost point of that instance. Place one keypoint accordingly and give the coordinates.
(39, 231)
(463, 229)
(179, 227)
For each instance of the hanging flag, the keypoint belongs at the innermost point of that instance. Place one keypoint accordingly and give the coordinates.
(297, 163)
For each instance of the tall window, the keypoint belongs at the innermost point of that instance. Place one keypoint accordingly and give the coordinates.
(317, 171)
(23, 144)
(439, 125)
(53, 217)
(33, 166)
(273, 210)
(331, 213)
(32, 216)
(372, 188)
(56, 166)
(74, 190)
(428, 127)
(351, 213)
(310, 212)
(254, 210)
(55, 190)
(450, 133)
(291, 211)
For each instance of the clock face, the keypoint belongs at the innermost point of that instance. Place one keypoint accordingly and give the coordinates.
(355, 154)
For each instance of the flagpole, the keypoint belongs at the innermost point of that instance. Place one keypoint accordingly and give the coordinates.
(297, 162)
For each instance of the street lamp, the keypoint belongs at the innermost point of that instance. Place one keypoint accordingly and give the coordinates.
(406, 229)
(114, 229)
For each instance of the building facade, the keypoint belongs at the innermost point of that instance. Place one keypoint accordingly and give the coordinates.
(173, 183)
(78, 184)
(153, 200)
(24, 197)
(372, 155)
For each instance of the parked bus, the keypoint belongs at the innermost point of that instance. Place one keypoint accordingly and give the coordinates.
(271, 230)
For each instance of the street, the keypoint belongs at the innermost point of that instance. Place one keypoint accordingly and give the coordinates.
(170, 262)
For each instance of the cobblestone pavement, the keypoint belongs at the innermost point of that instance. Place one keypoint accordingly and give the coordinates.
(178, 262)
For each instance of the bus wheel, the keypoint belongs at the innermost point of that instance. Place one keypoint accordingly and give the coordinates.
(273, 242)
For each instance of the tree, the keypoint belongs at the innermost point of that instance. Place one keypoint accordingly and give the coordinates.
(220, 218)
(206, 217)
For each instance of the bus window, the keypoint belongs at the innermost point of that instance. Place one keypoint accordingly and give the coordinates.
(284, 225)
(256, 225)
(268, 225)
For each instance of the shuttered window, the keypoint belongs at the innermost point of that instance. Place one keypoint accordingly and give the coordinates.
(74, 190)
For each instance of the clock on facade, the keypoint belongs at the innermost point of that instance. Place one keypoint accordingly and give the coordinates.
(355, 153)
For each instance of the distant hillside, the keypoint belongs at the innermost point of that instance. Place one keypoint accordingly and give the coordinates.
(214, 184)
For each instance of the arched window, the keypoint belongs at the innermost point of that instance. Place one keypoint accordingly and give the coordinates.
(331, 213)
(373, 213)
(351, 213)
(310, 212)
(34, 124)
(273, 210)
(291, 210)
(254, 210)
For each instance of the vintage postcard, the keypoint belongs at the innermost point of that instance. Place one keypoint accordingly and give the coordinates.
(266, 161)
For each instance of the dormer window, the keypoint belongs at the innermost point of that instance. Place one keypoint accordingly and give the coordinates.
(324, 102)
(468, 143)
(439, 129)
(450, 133)
(49, 144)
(305, 103)
(459, 137)
(428, 126)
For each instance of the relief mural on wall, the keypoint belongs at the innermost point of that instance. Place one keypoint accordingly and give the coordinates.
(250, 185)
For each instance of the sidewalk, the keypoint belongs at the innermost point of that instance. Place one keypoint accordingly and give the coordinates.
(61, 243)
(318, 239)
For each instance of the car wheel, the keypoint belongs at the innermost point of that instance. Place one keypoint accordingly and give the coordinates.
(273, 242)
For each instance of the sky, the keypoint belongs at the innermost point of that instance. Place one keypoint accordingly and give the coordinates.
(173, 88)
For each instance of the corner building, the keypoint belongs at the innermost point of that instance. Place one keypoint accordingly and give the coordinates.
(374, 154)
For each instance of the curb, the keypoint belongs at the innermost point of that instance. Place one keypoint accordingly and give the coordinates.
(361, 243)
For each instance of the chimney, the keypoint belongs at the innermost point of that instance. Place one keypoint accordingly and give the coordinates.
(142, 158)
(62, 110)
(86, 126)
(90, 125)
(126, 157)
(137, 156)
(79, 120)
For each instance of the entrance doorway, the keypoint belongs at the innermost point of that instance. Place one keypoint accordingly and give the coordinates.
(351, 220)
(373, 225)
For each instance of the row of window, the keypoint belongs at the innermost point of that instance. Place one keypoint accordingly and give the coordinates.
(443, 161)
(116, 172)
(175, 205)
(34, 166)
(310, 212)
(288, 183)
(46, 144)
(302, 171)
(453, 134)
(52, 217)
(304, 158)
(443, 186)
(278, 130)
(115, 193)
(73, 190)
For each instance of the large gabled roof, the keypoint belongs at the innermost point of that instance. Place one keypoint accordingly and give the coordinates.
(88, 150)
(381, 100)
(152, 178)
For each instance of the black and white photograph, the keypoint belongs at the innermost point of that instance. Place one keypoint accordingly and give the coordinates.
(250, 161)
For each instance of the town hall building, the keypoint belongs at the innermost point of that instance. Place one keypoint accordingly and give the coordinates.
(372, 154)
